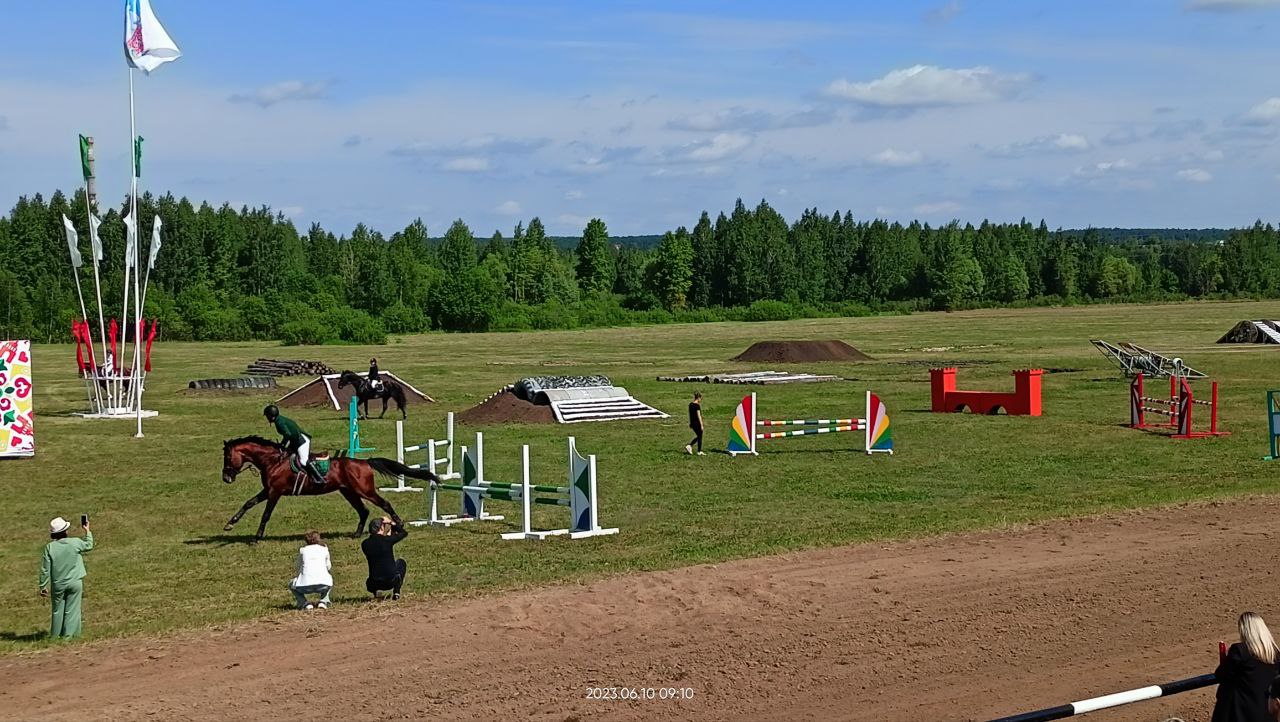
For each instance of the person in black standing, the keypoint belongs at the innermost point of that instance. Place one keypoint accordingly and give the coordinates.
(695, 423)
(1245, 672)
(386, 573)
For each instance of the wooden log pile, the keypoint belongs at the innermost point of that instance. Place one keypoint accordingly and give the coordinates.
(295, 367)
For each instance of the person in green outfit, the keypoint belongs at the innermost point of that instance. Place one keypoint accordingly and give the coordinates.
(295, 440)
(61, 572)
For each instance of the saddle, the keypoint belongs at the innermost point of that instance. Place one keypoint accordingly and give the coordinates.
(376, 386)
(322, 462)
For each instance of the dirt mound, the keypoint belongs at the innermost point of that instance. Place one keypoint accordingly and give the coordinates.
(783, 352)
(504, 408)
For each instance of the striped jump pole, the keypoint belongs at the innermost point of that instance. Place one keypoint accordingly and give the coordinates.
(440, 464)
(1113, 700)
(744, 436)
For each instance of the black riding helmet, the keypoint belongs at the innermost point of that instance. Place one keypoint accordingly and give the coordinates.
(271, 412)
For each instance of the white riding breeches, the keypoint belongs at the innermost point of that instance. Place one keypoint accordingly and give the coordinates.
(304, 450)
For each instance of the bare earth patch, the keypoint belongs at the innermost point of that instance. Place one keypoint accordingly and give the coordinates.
(951, 628)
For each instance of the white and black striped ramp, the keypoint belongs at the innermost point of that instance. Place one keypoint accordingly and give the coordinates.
(1113, 700)
(599, 403)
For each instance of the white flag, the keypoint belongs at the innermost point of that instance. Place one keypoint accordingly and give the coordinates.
(146, 45)
(155, 241)
(131, 241)
(73, 242)
(94, 240)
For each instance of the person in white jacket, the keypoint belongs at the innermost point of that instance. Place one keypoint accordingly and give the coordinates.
(313, 573)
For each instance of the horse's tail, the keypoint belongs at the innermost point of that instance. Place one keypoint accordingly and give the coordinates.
(391, 467)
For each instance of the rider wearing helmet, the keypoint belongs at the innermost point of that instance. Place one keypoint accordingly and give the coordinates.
(375, 379)
(295, 440)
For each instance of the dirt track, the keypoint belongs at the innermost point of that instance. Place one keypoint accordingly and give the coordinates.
(954, 628)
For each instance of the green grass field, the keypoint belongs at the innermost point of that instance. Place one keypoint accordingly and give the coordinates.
(158, 504)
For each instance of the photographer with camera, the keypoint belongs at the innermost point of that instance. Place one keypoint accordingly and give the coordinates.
(61, 572)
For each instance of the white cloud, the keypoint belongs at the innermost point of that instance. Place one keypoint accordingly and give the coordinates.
(937, 208)
(481, 145)
(289, 90)
(739, 118)
(721, 146)
(1264, 113)
(1060, 143)
(574, 195)
(943, 14)
(1194, 175)
(1229, 6)
(1101, 168)
(892, 158)
(466, 164)
(292, 211)
(508, 208)
(929, 85)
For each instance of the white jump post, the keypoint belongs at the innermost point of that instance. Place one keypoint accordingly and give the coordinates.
(433, 461)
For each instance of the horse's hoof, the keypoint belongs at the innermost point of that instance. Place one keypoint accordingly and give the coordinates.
(253, 542)
(228, 527)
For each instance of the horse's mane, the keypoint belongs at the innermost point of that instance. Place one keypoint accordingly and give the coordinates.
(256, 440)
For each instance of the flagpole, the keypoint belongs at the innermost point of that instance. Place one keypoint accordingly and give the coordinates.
(95, 244)
(135, 374)
(75, 272)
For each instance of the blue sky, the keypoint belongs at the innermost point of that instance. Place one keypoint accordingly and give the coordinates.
(1142, 113)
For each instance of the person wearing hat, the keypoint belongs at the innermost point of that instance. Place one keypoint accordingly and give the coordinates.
(295, 440)
(61, 572)
(374, 378)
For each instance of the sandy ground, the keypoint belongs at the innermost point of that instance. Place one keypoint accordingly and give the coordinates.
(952, 628)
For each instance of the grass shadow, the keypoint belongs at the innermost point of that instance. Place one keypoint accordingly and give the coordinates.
(7, 636)
(228, 539)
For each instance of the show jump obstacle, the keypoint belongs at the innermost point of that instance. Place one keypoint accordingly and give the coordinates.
(1177, 408)
(439, 456)
(1273, 424)
(579, 495)
(353, 430)
(743, 436)
(1024, 401)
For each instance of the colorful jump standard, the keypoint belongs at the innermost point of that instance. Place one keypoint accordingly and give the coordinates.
(1177, 407)
(1273, 424)
(875, 427)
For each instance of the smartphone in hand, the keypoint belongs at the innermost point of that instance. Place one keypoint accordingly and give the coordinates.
(84, 520)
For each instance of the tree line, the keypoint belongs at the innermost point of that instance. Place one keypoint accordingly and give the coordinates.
(226, 274)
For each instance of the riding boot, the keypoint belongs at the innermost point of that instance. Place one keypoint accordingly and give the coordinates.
(314, 473)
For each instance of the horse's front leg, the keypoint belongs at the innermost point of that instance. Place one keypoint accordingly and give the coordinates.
(384, 407)
(253, 501)
(272, 499)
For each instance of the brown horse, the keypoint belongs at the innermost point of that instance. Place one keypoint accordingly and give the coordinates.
(352, 478)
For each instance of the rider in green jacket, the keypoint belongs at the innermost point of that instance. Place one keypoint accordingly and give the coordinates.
(295, 440)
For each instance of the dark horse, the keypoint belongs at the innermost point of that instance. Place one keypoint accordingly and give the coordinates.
(352, 478)
(365, 392)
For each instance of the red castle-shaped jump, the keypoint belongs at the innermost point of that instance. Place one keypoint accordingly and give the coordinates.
(1024, 401)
